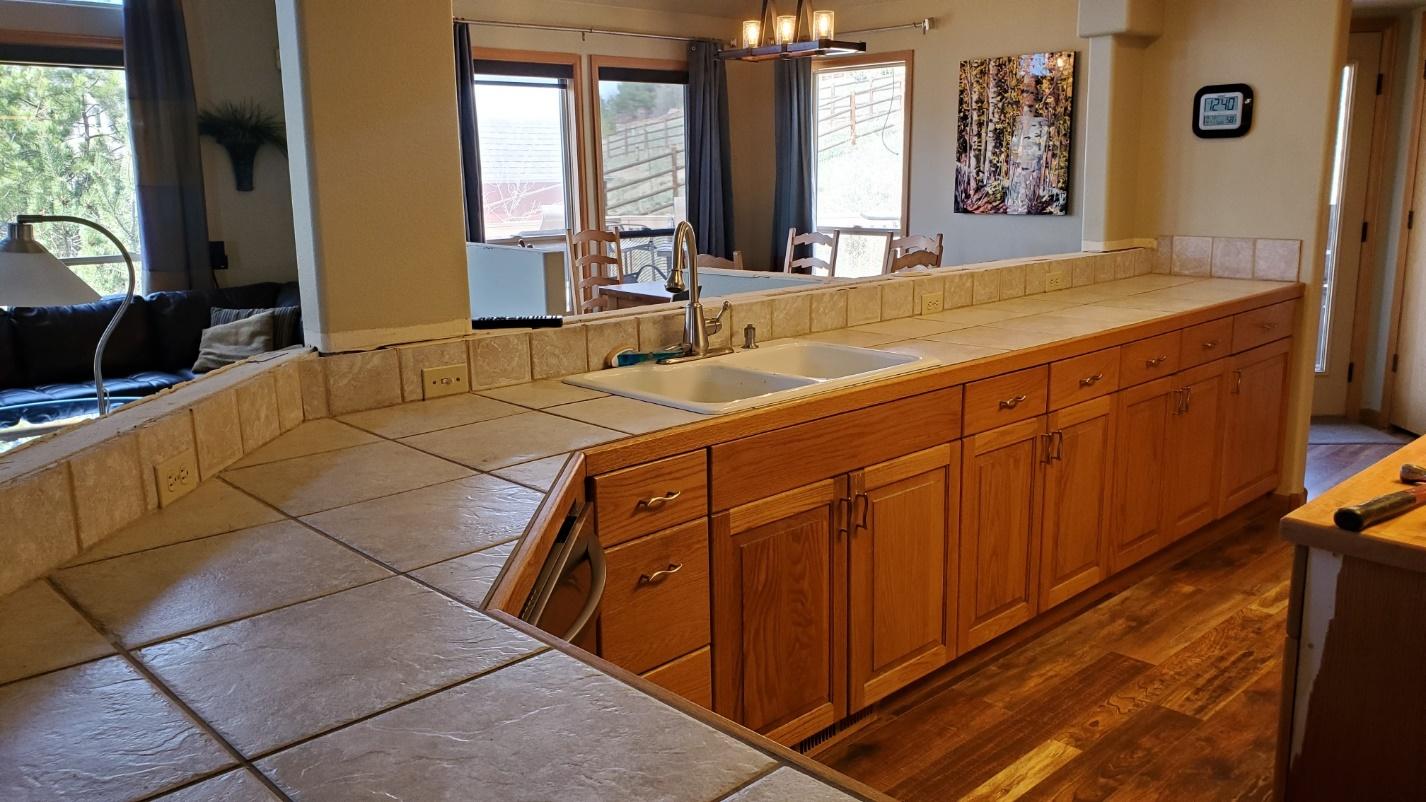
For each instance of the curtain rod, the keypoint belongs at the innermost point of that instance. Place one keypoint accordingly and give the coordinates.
(532, 26)
(923, 26)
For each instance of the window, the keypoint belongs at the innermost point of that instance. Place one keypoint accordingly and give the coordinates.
(860, 140)
(643, 161)
(64, 144)
(524, 115)
(1334, 213)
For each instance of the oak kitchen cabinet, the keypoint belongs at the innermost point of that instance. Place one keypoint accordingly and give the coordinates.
(1078, 466)
(1253, 424)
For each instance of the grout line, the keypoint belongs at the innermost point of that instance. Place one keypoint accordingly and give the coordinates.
(752, 780)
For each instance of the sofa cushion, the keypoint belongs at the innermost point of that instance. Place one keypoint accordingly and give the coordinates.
(284, 322)
(288, 295)
(58, 401)
(227, 343)
(176, 322)
(11, 373)
(56, 343)
(262, 295)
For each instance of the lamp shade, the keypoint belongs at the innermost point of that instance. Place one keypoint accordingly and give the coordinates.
(32, 276)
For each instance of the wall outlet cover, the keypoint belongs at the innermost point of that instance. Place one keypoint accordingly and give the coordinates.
(445, 380)
(1057, 281)
(176, 477)
(932, 302)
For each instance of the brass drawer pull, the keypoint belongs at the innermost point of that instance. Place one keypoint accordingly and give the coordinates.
(1090, 381)
(1156, 361)
(657, 576)
(1268, 326)
(1011, 403)
(1209, 345)
(659, 502)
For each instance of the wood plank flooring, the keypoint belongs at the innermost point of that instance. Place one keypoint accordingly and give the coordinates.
(1168, 690)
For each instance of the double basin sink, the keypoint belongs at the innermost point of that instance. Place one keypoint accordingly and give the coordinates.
(746, 379)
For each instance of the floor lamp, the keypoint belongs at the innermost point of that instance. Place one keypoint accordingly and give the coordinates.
(31, 276)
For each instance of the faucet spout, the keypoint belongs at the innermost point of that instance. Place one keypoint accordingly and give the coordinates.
(696, 328)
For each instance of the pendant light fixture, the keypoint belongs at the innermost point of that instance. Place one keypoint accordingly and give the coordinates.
(804, 34)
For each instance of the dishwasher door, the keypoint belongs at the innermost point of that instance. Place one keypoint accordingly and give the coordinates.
(565, 600)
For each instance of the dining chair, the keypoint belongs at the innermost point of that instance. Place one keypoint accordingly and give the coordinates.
(810, 264)
(913, 250)
(709, 260)
(595, 259)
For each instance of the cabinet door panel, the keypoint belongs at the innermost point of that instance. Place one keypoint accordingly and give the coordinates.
(1077, 500)
(901, 590)
(1000, 501)
(1253, 422)
(1140, 473)
(1194, 436)
(779, 628)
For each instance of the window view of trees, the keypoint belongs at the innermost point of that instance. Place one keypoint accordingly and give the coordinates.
(64, 144)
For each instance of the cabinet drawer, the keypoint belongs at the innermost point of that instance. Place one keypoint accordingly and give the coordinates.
(1084, 377)
(656, 601)
(1006, 399)
(689, 676)
(646, 498)
(1146, 360)
(1260, 326)
(1206, 342)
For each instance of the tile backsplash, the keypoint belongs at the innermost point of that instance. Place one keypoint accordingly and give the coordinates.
(1228, 257)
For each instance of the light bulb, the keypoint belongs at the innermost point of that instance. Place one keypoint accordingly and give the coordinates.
(752, 32)
(824, 24)
(786, 29)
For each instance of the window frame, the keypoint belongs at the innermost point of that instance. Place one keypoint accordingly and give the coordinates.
(575, 124)
(905, 58)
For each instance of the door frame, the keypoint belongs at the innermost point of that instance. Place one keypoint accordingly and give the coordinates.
(1393, 334)
(1378, 184)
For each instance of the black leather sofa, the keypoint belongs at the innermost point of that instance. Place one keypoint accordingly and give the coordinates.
(47, 353)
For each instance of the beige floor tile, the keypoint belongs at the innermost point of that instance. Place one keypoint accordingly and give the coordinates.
(990, 337)
(213, 508)
(273, 679)
(541, 394)
(945, 353)
(468, 578)
(909, 327)
(420, 527)
(626, 414)
(495, 733)
(419, 417)
(319, 482)
(41, 632)
(785, 784)
(176, 589)
(97, 731)
(239, 785)
(539, 474)
(510, 441)
(858, 339)
(312, 437)
(967, 316)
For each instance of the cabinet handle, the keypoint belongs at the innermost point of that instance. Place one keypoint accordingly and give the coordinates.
(1187, 398)
(1011, 403)
(1178, 401)
(658, 576)
(1090, 381)
(659, 502)
(1209, 345)
(844, 516)
(1268, 325)
(863, 503)
(1047, 442)
(1156, 361)
(1237, 382)
(1059, 444)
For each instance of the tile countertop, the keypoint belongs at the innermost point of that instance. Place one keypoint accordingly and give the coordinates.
(307, 622)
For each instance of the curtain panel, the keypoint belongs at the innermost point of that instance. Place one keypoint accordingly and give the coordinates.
(792, 135)
(710, 170)
(469, 139)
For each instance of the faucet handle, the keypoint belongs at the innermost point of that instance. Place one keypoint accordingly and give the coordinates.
(714, 324)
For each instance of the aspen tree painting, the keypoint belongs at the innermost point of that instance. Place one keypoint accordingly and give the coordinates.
(1013, 138)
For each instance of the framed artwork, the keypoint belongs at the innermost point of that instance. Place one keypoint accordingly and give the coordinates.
(1013, 134)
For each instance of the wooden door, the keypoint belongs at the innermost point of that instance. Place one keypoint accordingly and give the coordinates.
(779, 611)
(999, 550)
(1195, 435)
(1253, 424)
(901, 593)
(1140, 472)
(1078, 459)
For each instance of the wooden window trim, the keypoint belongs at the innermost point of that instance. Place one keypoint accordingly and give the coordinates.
(595, 64)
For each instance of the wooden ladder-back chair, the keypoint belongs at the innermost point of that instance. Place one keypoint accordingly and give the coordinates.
(913, 250)
(810, 264)
(709, 260)
(596, 259)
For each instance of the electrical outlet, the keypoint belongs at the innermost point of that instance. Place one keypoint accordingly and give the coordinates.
(932, 302)
(445, 380)
(1057, 281)
(176, 477)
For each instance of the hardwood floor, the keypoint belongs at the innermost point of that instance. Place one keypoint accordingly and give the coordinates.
(1168, 690)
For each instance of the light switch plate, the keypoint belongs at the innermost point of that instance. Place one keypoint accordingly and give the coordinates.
(1056, 281)
(445, 380)
(176, 477)
(931, 303)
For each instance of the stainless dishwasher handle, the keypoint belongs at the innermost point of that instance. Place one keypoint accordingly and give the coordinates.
(599, 576)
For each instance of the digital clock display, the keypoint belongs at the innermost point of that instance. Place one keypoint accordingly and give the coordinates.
(1222, 111)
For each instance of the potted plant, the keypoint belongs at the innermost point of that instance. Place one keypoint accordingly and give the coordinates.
(242, 128)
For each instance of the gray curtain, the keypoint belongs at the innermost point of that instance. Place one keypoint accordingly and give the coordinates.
(469, 139)
(710, 170)
(164, 120)
(792, 122)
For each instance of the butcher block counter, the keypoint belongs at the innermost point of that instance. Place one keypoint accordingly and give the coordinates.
(1354, 704)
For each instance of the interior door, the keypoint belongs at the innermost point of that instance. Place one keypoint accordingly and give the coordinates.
(1408, 393)
(1349, 199)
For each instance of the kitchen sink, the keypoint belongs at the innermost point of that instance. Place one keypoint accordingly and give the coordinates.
(747, 379)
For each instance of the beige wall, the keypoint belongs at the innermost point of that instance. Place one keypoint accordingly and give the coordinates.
(233, 48)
